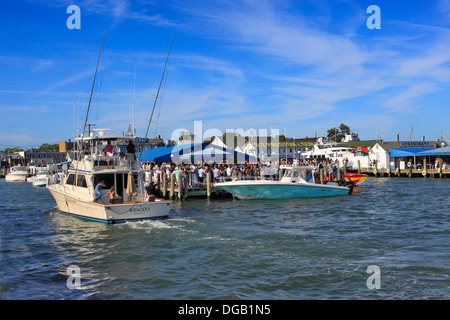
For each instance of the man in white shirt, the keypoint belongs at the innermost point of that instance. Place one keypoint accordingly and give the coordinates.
(216, 173)
(229, 171)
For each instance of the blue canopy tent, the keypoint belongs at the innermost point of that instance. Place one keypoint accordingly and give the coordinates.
(216, 154)
(445, 151)
(407, 152)
(156, 154)
(418, 152)
(197, 152)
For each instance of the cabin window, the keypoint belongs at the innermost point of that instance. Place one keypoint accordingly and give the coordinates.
(70, 179)
(81, 181)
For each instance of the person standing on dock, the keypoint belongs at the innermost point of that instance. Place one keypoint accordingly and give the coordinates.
(177, 174)
(201, 173)
(216, 173)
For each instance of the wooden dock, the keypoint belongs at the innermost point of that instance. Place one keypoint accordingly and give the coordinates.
(412, 173)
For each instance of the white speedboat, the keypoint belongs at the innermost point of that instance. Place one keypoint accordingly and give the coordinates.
(17, 173)
(75, 193)
(297, 182)
(42, 178)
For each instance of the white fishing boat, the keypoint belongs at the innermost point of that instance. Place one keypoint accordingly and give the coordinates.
(75, 194)
(86, 191)
(297, 182)
(17, 173)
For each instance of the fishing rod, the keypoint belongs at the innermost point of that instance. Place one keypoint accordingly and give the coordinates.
(93, 84)
(159, 88)
(154, 104)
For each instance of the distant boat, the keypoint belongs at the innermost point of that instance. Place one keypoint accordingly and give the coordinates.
(327, 152)
(297, 182)
(17, 173)
(42, 179)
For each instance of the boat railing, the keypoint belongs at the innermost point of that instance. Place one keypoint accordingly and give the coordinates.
(240, 177)
(115, 161)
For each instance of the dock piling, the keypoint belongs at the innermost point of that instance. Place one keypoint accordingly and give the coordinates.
(172, 186)
(164, 189)
(208, 185)
(425, 171)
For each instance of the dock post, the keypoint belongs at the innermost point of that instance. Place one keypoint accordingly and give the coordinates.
(164, 190)
(440, 168)
(185, 186)
(208, 185)
(425, 167)
(376, 167)
(359, 166)
(172, 186)
(280, 174)
(410, 169)
(180, 189)
(321, 176)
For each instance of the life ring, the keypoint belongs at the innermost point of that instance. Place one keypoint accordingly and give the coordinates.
(424, 173)
(375, 171)
(388, 170)
(409, 164)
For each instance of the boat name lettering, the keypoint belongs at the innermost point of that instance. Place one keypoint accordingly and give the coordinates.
(140, 209)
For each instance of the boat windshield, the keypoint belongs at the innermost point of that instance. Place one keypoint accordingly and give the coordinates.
(305, 174)
(291, 174)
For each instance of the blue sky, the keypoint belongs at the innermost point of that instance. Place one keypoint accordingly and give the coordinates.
(303, 66)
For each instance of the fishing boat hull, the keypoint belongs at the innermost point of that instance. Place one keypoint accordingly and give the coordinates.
(263, 189)
(110, 213)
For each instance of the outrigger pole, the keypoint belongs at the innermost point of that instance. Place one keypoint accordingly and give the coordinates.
(93, 84)
(157, 94)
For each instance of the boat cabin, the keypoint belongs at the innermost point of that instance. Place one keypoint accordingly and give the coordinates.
(93, 164)
(298, 175)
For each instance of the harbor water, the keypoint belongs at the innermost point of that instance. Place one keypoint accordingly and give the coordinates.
(316, 248)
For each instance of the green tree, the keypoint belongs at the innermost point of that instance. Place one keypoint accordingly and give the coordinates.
(48, 147)
(12, 150)
(337, 134)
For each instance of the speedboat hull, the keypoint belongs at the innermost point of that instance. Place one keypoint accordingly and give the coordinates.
(264, 189)
(13, 177)
(355, 178)
(40, 181)
(109, 213)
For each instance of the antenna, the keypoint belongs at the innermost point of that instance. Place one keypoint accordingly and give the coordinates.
(134, 86)
(75, 113)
